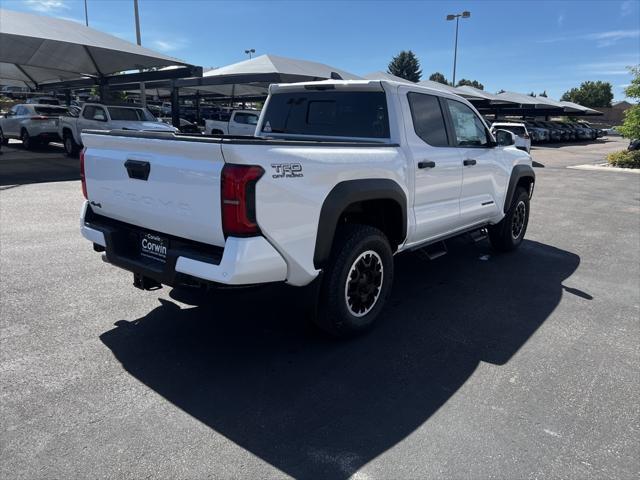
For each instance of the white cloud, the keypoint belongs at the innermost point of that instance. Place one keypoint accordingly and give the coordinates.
(626, 8)
(561, 20)
(606, 39)
(169, 45)
(605, 68)
(46, 5)
(603, 39)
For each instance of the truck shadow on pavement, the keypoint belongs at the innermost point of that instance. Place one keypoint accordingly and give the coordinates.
(42, 164)
(246, 366)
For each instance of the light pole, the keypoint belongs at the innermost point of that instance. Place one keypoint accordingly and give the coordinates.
(457, 16)
(86, 14)
(250, 52)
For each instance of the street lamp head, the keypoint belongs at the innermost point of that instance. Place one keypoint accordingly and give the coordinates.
(451, 17)
(466, 14)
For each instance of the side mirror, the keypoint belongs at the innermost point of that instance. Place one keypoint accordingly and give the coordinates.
(504, 138)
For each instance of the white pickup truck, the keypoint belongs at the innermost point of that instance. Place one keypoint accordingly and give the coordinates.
(238, 122)
(96, 116)
(340, 177)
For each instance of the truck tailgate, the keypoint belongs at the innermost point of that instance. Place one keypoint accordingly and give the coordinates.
(166, 185)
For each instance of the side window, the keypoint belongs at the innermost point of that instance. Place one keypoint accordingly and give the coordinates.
(88, 112)
(22, 111)
(469, 129)
(13, 111)
(246, 118)
(99, 115)
(428, 120)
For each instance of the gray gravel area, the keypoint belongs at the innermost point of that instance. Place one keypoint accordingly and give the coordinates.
(524, 365)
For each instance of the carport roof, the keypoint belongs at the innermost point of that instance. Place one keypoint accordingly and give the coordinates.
(35, 49)
(580, 108)
(256, 74)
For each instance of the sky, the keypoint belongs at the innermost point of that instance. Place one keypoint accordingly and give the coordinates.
(520, 46)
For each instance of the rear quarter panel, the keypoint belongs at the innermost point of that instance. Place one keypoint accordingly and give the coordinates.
(288, 206)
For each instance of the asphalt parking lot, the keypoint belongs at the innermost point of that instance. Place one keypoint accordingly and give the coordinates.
(523, 365)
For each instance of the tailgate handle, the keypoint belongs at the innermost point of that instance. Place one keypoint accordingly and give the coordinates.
(137, 169)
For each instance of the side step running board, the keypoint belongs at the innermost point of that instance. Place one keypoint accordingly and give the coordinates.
(478, 235)
(433, 251)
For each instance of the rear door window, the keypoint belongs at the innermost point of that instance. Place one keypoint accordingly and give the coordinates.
(328, 114)
(246, 118)
(428, 120)
(126, 114)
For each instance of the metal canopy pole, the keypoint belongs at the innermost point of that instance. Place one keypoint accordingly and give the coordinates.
(175, 105)
(143, 94)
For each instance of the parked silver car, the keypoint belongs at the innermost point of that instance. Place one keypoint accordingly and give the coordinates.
(32, 123)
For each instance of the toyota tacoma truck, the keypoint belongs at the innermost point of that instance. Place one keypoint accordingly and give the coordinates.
(238, 122)
(96, 116)
(340, 177)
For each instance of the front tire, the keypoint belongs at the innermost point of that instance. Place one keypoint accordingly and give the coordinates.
(356, 282)
(507, 235)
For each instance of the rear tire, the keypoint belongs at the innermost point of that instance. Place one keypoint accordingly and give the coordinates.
(3, 140)
(27, 142)
(356, 282)
(71, 148)
(507, 235)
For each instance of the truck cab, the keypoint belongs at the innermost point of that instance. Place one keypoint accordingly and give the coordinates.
(237, 122)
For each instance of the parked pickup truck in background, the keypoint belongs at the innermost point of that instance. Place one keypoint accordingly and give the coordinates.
(95, 116)
(340, 177)
(238, 122)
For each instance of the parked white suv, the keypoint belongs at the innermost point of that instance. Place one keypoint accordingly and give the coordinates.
(32, 123)
(523, 139)
(342, 176)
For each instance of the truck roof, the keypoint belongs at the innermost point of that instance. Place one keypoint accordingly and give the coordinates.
(362, 85)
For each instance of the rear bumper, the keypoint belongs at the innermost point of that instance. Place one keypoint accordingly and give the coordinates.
(242, 261)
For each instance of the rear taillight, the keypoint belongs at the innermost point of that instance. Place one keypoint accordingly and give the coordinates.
(83, 180)
(238, 193)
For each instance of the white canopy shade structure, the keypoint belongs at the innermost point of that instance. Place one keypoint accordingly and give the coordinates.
(252, 77)
(471, 96)
(490, 97)
(386, 76)
(36, 49)
(580, 108)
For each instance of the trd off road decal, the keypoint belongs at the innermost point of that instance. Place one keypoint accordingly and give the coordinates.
(287, 170)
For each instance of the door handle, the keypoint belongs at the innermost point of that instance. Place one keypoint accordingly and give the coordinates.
(469, 162)
(426, 164)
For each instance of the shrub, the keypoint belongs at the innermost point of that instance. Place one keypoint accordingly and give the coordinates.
(624, 159)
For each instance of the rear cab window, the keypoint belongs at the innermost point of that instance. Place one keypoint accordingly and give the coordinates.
(428, 119)
(52, 111)
(332, 113)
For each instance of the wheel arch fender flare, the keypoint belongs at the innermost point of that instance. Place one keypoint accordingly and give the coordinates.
(347, 193)
(519, 172)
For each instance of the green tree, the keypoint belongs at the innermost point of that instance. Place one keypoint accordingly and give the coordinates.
(439, 77)
(631, 126)
(406, 65)
(590, 94)
(471, 83)
(543, 94)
